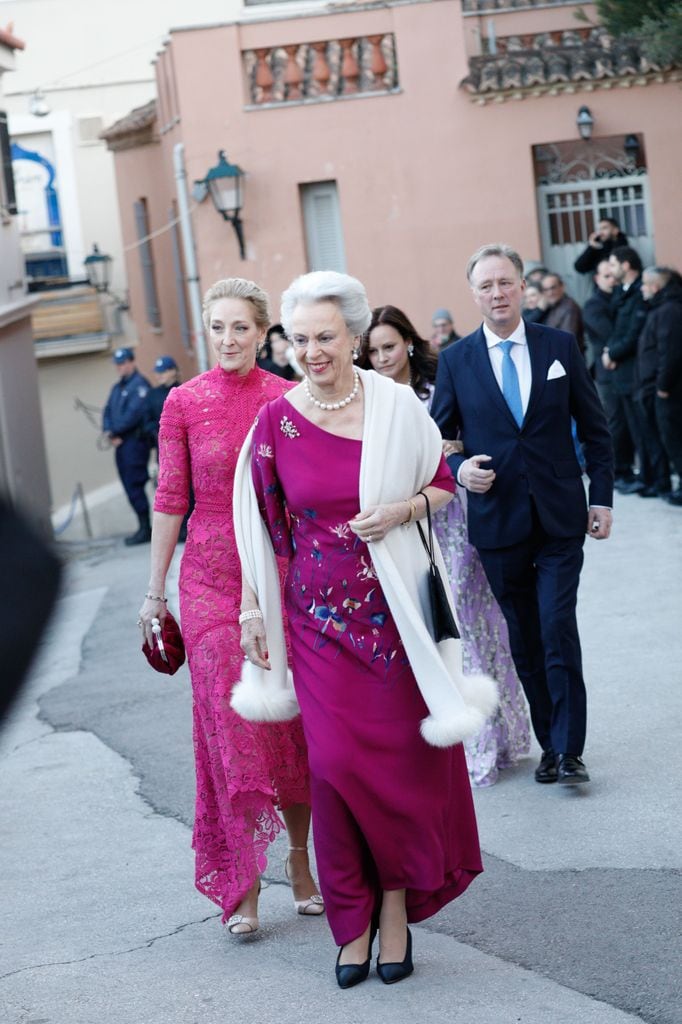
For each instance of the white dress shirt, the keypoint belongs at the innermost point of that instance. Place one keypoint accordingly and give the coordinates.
(520, 355)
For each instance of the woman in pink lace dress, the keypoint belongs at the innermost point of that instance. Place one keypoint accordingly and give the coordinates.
(245, 772)
(393, 348)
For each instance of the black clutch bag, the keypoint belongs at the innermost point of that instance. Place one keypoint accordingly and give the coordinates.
(442, 619)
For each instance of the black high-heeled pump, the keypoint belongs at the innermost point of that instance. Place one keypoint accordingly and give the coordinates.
(390, 973)
(348, 975)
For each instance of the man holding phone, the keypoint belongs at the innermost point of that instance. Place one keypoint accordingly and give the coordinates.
(510, 391)
(600, 245)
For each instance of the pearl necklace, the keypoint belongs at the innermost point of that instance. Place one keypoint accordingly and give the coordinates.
(330, 406)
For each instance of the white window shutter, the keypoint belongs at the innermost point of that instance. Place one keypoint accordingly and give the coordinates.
(324, 234)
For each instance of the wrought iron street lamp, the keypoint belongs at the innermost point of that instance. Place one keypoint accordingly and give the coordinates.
(97, 266)
(585, 123)
(224, 184)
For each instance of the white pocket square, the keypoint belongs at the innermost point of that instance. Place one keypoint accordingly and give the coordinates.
(555, 370)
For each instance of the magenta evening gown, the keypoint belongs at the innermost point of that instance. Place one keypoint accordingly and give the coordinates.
(244, 771)
(389, 811)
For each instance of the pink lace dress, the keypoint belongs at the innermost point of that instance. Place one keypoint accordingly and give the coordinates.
(244, 771)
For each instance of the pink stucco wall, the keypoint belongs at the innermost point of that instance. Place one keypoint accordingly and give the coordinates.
(424, 176)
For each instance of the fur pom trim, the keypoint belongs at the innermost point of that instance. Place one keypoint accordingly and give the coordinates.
(480, 696)
(479, 692)
(257, 698)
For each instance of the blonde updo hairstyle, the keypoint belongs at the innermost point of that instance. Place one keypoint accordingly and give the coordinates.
(238, 288)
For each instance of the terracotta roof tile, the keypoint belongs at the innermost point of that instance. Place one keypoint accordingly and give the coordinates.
(555, 59)
(141, 119)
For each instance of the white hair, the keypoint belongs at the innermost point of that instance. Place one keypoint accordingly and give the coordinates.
(329, 286)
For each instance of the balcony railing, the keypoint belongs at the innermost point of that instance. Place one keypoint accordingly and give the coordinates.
(488, 6)
(326, 70)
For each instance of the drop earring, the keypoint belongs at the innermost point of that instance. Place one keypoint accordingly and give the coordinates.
(356, 353)
(410, 349)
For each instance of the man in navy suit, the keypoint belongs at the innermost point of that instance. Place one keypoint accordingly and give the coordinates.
(509, 391)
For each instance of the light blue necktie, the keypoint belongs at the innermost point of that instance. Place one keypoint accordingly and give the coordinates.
(510, 382)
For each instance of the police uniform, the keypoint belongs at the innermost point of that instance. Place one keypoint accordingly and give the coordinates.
(123, 417)
(153, 406)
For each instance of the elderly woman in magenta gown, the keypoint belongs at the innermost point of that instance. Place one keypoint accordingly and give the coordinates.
(393, 348)
(245, 772)
(334, 478)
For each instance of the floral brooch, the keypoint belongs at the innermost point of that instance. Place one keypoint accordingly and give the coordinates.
(288, 428)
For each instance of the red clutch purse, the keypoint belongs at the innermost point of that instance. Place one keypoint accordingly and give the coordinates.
(168, 651)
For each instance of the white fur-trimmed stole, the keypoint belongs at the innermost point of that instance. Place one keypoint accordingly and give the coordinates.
(480, 697)
(257, 697)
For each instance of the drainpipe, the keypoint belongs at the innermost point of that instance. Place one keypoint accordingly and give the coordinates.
(189, 253)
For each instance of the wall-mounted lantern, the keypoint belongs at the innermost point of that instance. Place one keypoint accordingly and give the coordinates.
(585, 123)
(224, 184)
(97, 267)
(631, 147)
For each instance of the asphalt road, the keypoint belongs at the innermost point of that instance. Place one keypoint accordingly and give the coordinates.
(576, 917)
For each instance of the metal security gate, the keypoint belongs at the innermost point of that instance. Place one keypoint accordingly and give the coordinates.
(569, 212)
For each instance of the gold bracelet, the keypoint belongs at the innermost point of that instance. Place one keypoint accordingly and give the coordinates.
(413, 512)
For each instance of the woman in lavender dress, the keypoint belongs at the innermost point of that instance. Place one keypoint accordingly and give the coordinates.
(393, 348)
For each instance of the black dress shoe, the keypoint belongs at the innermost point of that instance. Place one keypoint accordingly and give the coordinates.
(390, 973)
(632, 488)
(675, 498)
(649, 492)
(142, 536)
(546, 771)
(349, 975)
(571, 770)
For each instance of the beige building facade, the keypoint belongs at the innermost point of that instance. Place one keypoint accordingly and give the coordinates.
(390, 140)
(86, 63)
(23, 466)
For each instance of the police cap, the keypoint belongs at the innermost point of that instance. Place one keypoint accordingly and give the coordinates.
(164, 363)
(123, 355)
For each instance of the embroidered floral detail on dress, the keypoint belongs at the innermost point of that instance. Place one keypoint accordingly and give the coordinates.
(265, 451)
(342, 530)
(288, 428)
(367, 572)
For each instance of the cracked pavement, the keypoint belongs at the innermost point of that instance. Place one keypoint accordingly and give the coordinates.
(576, 917)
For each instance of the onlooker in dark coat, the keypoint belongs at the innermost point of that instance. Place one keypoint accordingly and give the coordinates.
(598, 322)
(598, 315)
(563, 312)
(275, 356)
(620, 353)
(662, 340)
(444, 333)
(657, 467)
(602, 242)
(533, 309)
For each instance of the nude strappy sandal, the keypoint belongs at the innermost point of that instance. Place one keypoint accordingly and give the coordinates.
(314, 905)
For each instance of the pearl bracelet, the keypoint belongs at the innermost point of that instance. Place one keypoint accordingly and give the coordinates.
(156, 597)
(252, 613)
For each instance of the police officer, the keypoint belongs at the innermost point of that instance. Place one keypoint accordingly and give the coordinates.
(122, 423)
(166, 377)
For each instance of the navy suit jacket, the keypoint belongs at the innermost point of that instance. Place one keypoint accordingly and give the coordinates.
(534, 463)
